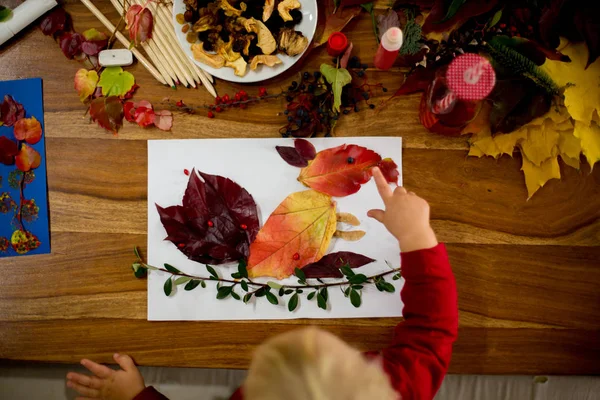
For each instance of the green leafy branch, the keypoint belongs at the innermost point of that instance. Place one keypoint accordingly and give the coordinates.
(352, 285)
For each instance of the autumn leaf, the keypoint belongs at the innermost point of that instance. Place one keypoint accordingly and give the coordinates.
(139, 24)
(129, 111)
(291, 156)
(340, 171)
(337, 78)
(216, 222)
(29, 130)
(335, 22)
(144, 114)
(297, 233)
(28, 158)
(95, 41)
(329, 266)
(11, 111)
(8, 150)
(107, 112)
(590, 140)
(85, 83)
(305, 149)
(70, 44)
(163, 120)
(54, 22)
(537, 176)
(115, 82)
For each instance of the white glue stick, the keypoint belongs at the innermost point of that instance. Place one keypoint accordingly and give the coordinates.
(23, 16)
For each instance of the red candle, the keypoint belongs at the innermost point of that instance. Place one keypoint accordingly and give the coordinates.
(336, 44)
(388, 48)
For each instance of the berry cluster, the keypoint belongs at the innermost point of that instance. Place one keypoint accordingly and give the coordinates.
(240, 100)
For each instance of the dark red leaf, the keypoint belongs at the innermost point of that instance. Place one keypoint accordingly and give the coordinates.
(291, 156)
(417, 81)
(108, 112)
(54, 22)
(472, 8)
(131, 92)
(216, 223)
(389, 169)
(70, 44)
(129, 111)
(11, 111)
(305, 149)
(139, 23)
(8, 151)
(329, 266)
(93, 47)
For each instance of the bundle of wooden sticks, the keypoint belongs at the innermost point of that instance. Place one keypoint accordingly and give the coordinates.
(168, 63)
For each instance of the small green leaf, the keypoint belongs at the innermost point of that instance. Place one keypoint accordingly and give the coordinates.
(212, 272)
(247, 297)
(191, 285)
(272, 298)
(355, 298)
(347, 292)
(181, 280)
(171, 269)
(244, 285)
(321, 302)
(203, 284)
(379, 286)
(235, 295)
(289, 291)
(281, 292)
(293, 303)
(168, 287)
(115, 82)
(357, 287)
(300, 274)
(242, 268)
(396, 277)
(496, 18)
(346, 270)
(358, 279)
(261, 292)
(324, 293)
(5, 13)
(140, 271)
(236, 275)
(388, 287)
(137, 252)
(224, 292)
(337, 78)
(299, 291)
(311, 295)
(452, 10)
(274, 285)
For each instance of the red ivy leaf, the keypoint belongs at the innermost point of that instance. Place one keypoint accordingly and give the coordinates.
(11, 111)
(216, 223)
(54, 22)
(28, 158)
(70, 44)
(8, 151)
(139, 23)
(389, 169)
(305, 149)
(108, 112)
(417, 81)
(329, 266)
(342, 170)
(129, 111)
(93, 47)
(291, 156)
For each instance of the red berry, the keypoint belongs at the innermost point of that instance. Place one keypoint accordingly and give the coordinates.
(210, 224)
(244, 226)
(179, 103)
(262, 92)
(186, 171)
(218, 109)
(211, 114)
(513, 28)
(218, 100)
(226, 98)
(296, 256)
(237, 97)
(243, 93)
(502, 25)
(181, 245)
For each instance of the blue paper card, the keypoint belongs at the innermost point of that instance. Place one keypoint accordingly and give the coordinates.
(23, 190)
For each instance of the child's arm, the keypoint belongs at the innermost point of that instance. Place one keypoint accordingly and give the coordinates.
(418, 358)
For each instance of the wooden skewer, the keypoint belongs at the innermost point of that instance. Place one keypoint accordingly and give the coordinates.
(167, 12)
(156, 57)
(124, 41)
(158, 36)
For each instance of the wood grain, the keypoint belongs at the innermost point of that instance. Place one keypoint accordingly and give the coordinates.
(528, 272)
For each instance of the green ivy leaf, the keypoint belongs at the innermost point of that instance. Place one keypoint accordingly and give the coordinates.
(224, 292)
(300, 274)
(337, 78)
(274, 285)
(115, 82)
(235, 295)
(181, 280)
(244, 285)
(261, 292)
(272, 298)
(324, 293)
(172, 269)
(311, 295)
(212, 272)
(388, 287)
(346, 270)
(293, 303)
(191, 285)
(247, 298)
(357, 279)
(355, 298)
(168, 287)
(136, 251)
(236, 275)
(289, 291)
(242, 268)
(321, 302)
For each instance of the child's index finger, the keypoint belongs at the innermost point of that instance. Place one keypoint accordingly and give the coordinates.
(384, 189)
(101, 371)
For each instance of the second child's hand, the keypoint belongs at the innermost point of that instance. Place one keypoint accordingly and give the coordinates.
(406, 216)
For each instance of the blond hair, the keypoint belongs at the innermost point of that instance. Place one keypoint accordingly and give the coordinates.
(311, 364)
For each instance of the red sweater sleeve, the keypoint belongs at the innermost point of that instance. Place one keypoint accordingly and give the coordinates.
(418, 357)
(150, 394)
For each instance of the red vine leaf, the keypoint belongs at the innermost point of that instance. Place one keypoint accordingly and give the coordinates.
(107, 112)
(54, 22)
(11, 111)
(144, 114)
(8, 151)
(329, 266)
(342, 170)
(305, 149)
(28, 158)
(291, 156)
(70, 44)
(129, 111)
(139, 23)
(417, 81)
(216, 222)
(29, 130)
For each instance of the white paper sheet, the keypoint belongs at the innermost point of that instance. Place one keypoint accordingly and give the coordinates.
(255, 165)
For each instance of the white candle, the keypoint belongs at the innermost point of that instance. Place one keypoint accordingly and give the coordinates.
(22, 16)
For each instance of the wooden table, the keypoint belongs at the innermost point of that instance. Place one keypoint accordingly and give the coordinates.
(528, 272)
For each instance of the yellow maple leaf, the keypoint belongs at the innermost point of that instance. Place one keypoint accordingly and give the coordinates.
(589, 134)
(536, 176)
(569, 148)
(541, 143)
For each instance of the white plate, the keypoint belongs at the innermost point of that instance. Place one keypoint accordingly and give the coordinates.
(308, 27)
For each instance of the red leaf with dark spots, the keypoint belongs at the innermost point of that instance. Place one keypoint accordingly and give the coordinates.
(11, 111)
(305, 149)
(54, 22)
(8, 151)
(207, 228)
(70, 44)
(291, 156)
(108, 112)
(329, 266)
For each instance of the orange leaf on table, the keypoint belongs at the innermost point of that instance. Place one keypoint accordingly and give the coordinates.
(335, 22)
(29, 130)
(28, 158)
(85, 83)
(108, 112)
(296, 234)
(340, 171)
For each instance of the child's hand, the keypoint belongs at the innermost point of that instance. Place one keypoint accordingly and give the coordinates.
(406, 216)
(106, 383)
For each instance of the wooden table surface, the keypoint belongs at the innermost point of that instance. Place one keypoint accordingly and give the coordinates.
(528, 272)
